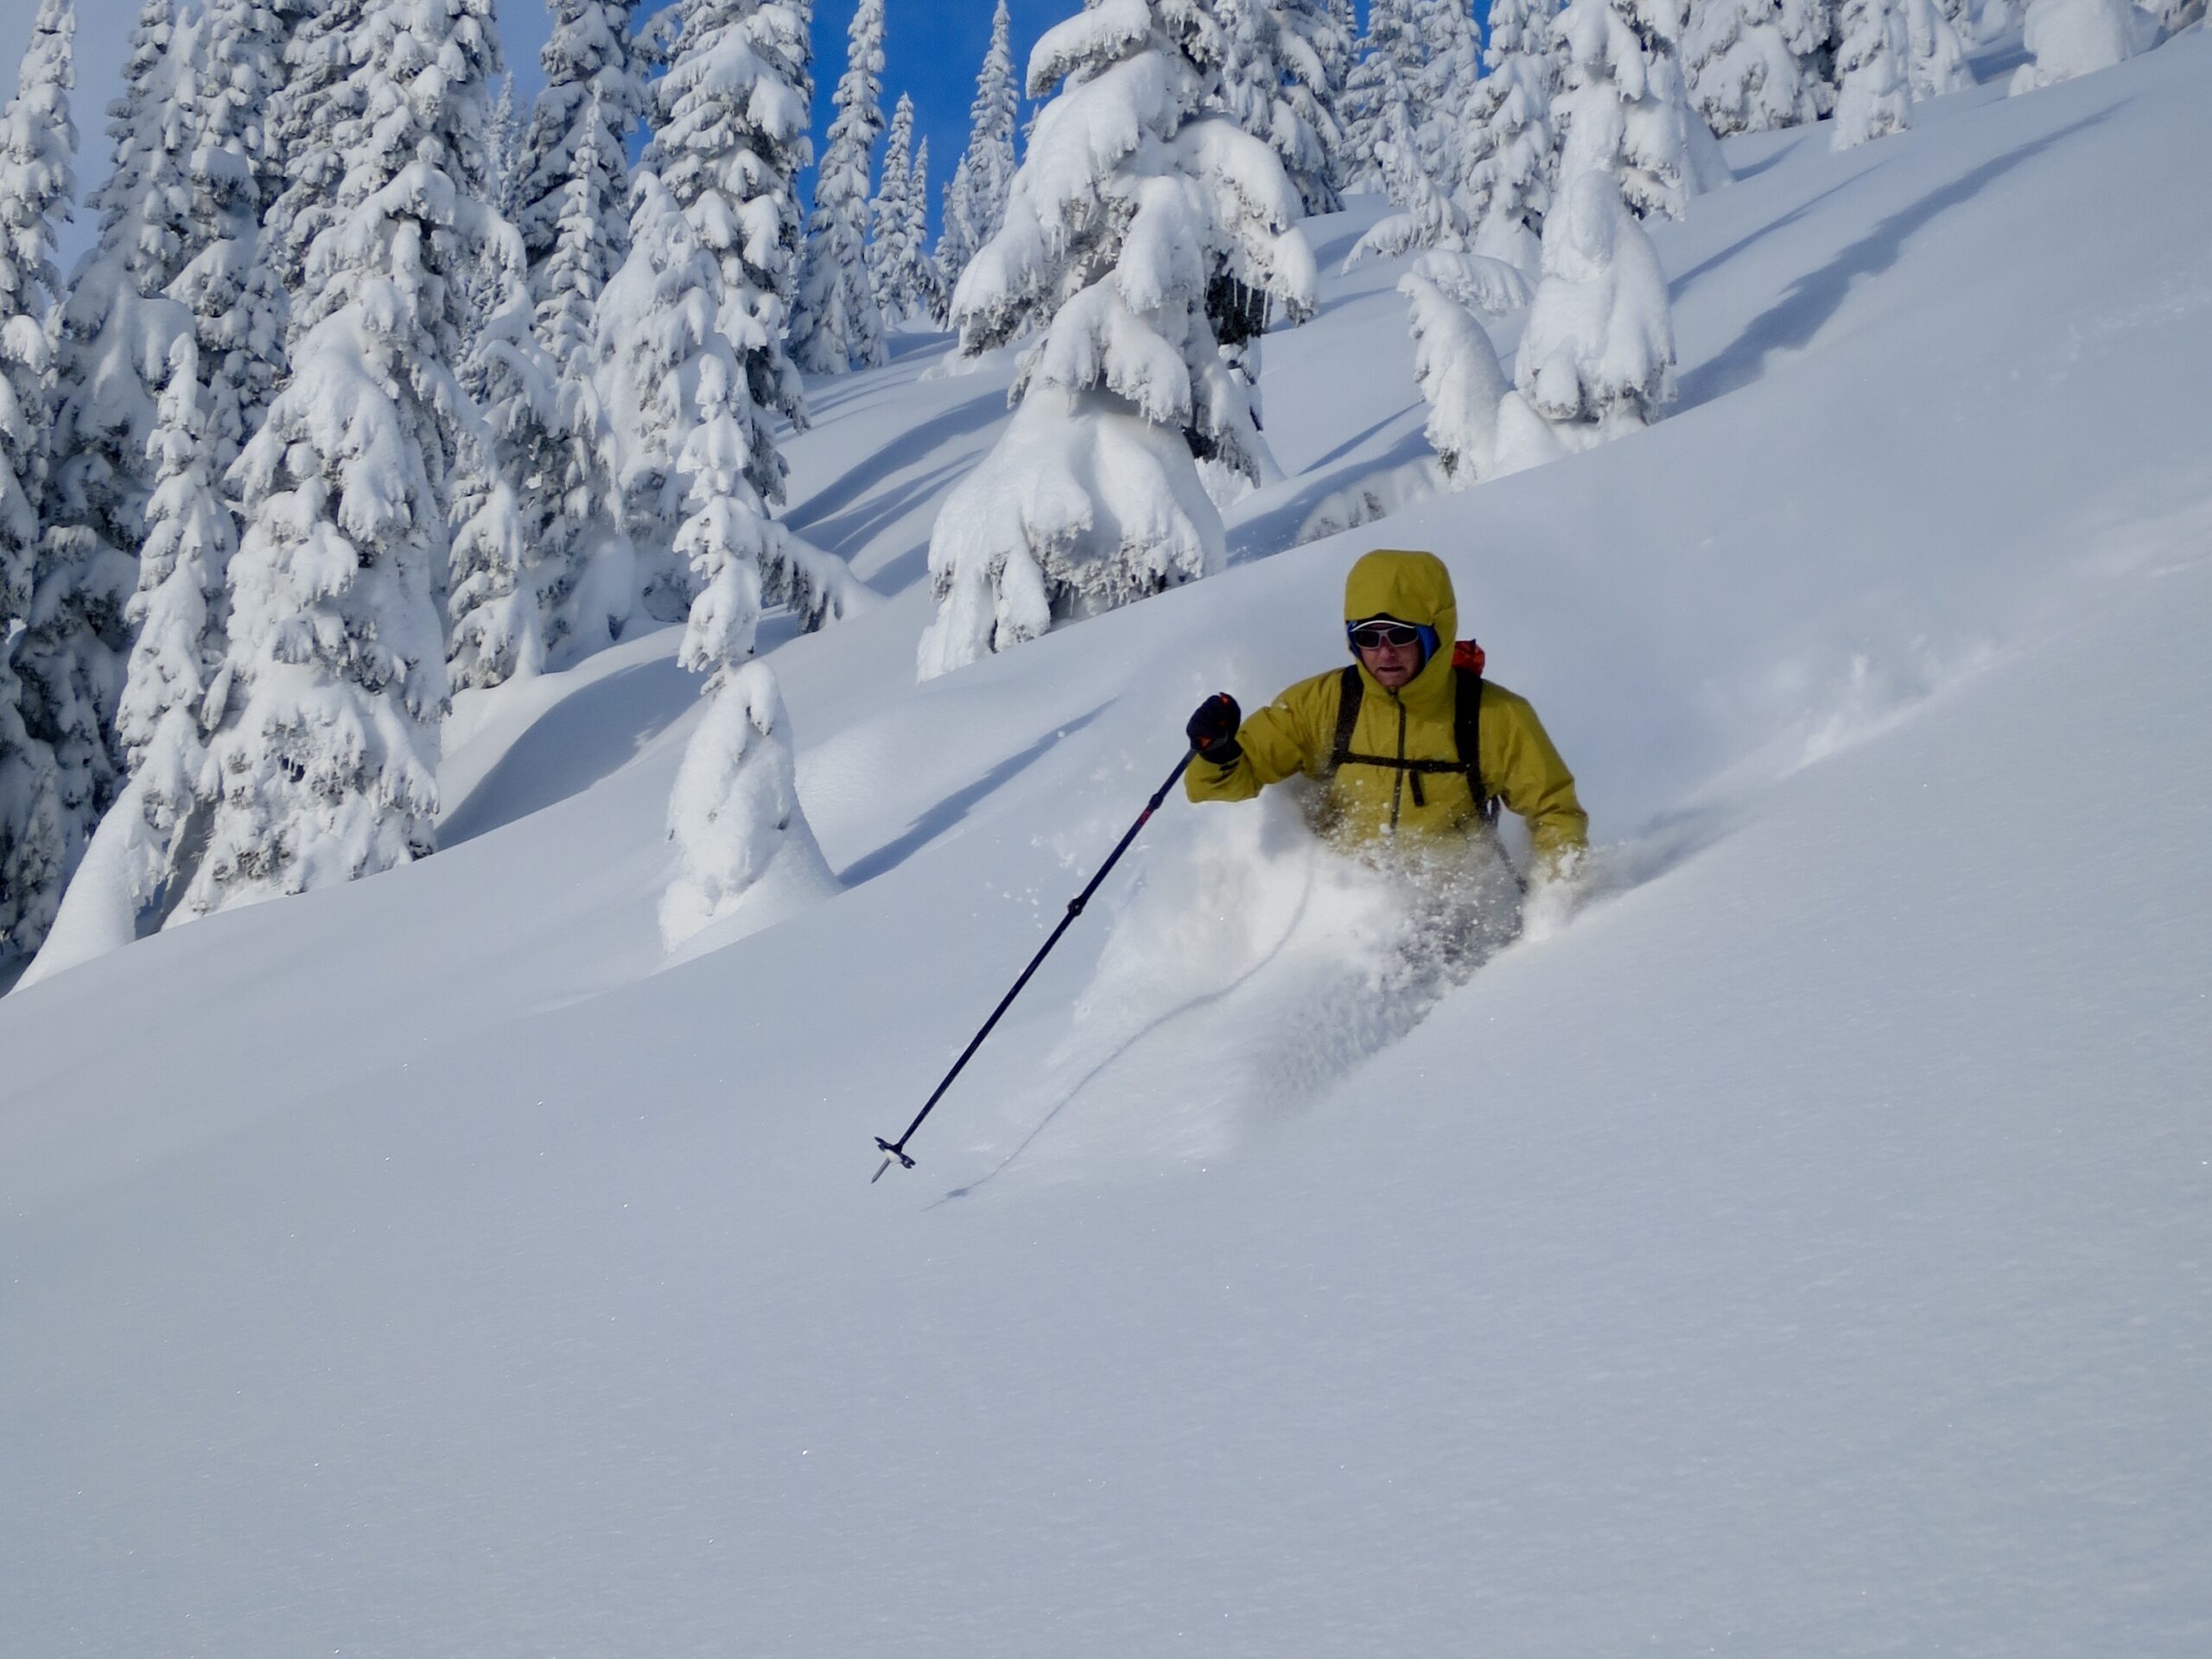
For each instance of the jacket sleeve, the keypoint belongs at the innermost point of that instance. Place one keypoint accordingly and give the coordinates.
(1530, 777)
(1277, 743)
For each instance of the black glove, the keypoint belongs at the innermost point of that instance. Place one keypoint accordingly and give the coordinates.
(1213, 727)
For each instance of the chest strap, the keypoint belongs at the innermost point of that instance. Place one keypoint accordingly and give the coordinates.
(1466, 734)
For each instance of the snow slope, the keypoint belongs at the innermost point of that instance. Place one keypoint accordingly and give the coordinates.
(1803, 1249)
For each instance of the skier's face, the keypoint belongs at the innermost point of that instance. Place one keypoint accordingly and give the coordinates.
(1392, 665)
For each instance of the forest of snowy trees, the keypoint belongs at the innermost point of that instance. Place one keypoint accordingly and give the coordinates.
(373, 388)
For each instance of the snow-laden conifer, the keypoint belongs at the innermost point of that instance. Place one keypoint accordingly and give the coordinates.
(933, 298)
(1623, 107)
(835, 323)
(1507, 184)
(116, 328)
(324, 767)
(1274, 84)
(690, 434)
(1444, 86)
(1428, 215)
(1744, 74)
(744, 843)
(897, 249)
(1388, 55)
(571, 201)
(1873, 97)
(1937, 60)
(1460, 380)
(975, 199)
(2066, 38)
(1128, 203)
(37, 148)
(730, 146)
(1596, 356)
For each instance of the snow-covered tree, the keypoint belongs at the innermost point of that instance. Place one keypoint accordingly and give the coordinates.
(1623, 108)
(37, 147)
(1938, 56)
(1429, 216)
(689, 436)
(1128, 203)
(933, 298)
(735, 816)
(1274, 84)
(571, 199)
(974, 200)
(1460, 380)
(1597, 356)
(1873, 97)
(2066, 38)
(1507, 184)
(1444, 86)
(324, 767)
(835, 323)
(898, 253)
(116, 328)
(1388, 56)
(729, 147)
(1743, 74)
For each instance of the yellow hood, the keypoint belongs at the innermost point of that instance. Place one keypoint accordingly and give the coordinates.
(1414, 588)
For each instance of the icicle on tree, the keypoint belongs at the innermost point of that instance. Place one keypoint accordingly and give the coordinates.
(1874, 98)
(1597, 356)
(2066, 38)
(1507, 186)
(37, 145)
(324, 768)
(116, 328)
(687, 339)
(835, 323)
(1128, 198)
(745, 844)
(1742, 68)
(897, 260)
(974, 200)
(1623, 108)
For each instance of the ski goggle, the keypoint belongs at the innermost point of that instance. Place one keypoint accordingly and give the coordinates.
(1366, 636)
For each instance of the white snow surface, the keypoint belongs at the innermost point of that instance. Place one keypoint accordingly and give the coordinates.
(1801, 1250)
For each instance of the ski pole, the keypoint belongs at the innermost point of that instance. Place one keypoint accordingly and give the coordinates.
(897, 1149)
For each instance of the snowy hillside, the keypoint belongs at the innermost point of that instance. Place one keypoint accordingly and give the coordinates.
(1802, 1250)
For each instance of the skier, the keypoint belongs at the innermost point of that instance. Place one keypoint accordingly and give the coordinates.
(1384, 736)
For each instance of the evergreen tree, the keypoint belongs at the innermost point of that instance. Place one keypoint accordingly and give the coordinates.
(896, 260)
(1874, 98)
(835, 323)
(975, 200)
(1623, 108)
(1597, 356)
(1388, 56)
(324, 767)
(731, 141)
(37, 147)
(1938, 56)
(1129, 201)
(1743, 74)
(570, 203)
(1274, 84)
(932, 295)
(1460, 380)
(1507, 186)
(2066, 38)
(116, 328)
(1429, 216)
(1444, 86)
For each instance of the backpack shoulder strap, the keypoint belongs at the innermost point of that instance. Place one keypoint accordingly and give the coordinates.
(1466, 728)
(1349, 691)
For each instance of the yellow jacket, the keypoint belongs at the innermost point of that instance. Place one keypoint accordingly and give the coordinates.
(1364, 803)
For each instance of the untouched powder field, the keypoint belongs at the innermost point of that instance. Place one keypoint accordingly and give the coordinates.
(1801, 1249)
